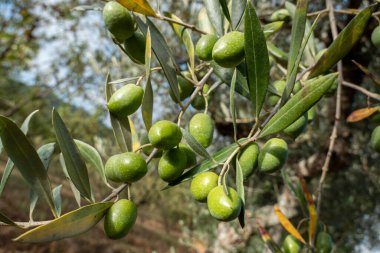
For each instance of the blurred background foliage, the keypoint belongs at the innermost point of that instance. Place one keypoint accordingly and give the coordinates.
(55, 55)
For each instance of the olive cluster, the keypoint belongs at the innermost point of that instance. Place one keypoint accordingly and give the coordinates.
(323, 244)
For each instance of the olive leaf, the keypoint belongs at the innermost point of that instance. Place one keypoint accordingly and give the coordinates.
(288, 225)
(148, 99)
(140, 6)
(76, 167)
(240, 191)
(215, 15)
(256, 59)
(162, 52)
(237, 12)
(301, 102)
(195, 145)
(226, 12)
(72, 186)
(274, 248)
(232, 104)
(6, 220)
(345, 41)
(362, 113)
(9, 166)
(68, 225)
(26, 159)
(272, 28)
(57, 199)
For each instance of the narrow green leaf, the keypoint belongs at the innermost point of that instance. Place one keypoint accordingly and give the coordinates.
(219, 157)
(140, 6)
(26, 159)
(124, 80)
(215, 15)
(68, 225)
(162, 52)
(277, 53)
(127, 131)
(272, 28)
(6, 220)
(232, 104)
(256, 59)
(9, 166)
(226, 12)
(195, 145)
(57, 199)
(237, 12)
(185, 35)
(92, 156)
(298, 32)
(240, 191)
(297, 105)
(72, 186)
(148, 99)
(76, 167)
(345, 41)
(33, 196)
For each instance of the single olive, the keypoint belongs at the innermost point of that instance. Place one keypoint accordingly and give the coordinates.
(228, 51)
(273, 155)
(279, 87)
(127, 167)
(144, 139)
(204, 46)
(199, 102)
(224, 207)
(201, 127)
(375, 139)
(185, 87)
(248, 158)
(375, 37)
(324, 243)
(202, 184)
(135, 48)
(120, 218)
(291, 245)
(280, 15)
(297, 127)
(191, 158)
(172, 164)
(126, 100)
(165, 134)
(118, 21)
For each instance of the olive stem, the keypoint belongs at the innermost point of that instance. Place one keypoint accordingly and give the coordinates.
(192, 27)
(362, 90)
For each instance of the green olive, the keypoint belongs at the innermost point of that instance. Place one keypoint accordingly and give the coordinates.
(144, 139)
(291, 245)
(228, 51)
(204, 46)
(118, 21)
(199, 102)
(202, 184)
(126, 100)
(191, 158)
(248, 158)
(172, 164)
(375, 139)
(273, 155)
(297, 127)
(127, 167)
(375, 37)
(224, 207)
(165, 134)
(120, 218)
(185, 87)
(201, 127)
(135, 48)
(324, 243)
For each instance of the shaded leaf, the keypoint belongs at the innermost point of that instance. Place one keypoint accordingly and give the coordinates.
(219, 157)
(226, 12)
(313, 219)
(148, 99)
(76, 167)
(294, 190)
(195, 145)
(297, 105)
(92, 156)
(368, 73)
(237, 12)
(68, 225)
(162, 52)
(232, 104)
(125, 123)
(277, 52)
(6, 220)
(57, 199)
(256, 59)
(140, 6)
(343, 44)
(26, 159)
(288, 225)
(72, 186)
(361, 114)
(240, 191)
(269, 241)
(215, 15)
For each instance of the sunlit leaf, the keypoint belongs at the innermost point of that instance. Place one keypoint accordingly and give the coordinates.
(361, 114)
(237, 12)
(87, 8)
(272, 28)
(68, 225)
(195, 145)
(312, 211)
(26, 159)
(274, 248)
(345, 41)
(76, 167)
(288, 225)
(215, 15)
(140, 6)
(300, 103)
(256, 59)
(163, 54)
(9, 166)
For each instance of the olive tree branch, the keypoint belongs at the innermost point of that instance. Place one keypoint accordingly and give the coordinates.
(190, 26)
(362, 90)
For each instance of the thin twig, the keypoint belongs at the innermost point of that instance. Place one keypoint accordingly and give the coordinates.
(27, 224)
(191, 27)
(362, 90)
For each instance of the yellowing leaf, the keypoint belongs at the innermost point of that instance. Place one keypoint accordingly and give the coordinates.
(68, 225)
(269, 241)
(140, 6)
(288, 225)
(312, 211)
(361, 114)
